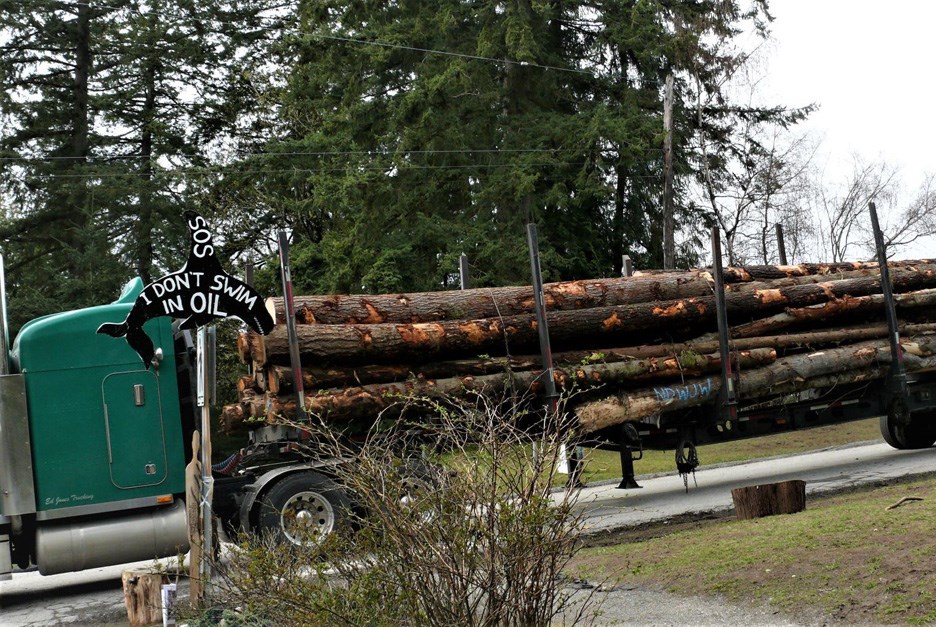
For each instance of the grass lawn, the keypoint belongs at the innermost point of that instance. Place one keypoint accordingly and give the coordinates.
(601, 465)
(847, 556)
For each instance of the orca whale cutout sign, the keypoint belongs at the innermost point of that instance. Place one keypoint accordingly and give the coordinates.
(198, 293)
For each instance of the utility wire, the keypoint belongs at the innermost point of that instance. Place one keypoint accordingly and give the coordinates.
(448, 53)
(375, 168)
(327, 153)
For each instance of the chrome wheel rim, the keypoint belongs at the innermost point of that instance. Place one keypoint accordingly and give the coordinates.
(307, 517)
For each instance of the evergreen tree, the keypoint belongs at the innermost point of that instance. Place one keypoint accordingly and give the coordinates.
(413, 157)
(389, 136)
(413, 133)
(56, 251)
(112, 115)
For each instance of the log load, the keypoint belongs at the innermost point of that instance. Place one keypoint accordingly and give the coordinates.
(427, 341)
(510, 301)
(629, 348)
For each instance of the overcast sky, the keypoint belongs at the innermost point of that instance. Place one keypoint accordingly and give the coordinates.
(869, 65)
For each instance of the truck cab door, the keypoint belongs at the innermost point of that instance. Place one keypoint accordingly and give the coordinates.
(136, 442)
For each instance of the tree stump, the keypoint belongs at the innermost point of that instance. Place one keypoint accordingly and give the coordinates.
(785, 497)
(143, 595)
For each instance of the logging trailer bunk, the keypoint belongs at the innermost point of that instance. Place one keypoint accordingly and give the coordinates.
(905, 403)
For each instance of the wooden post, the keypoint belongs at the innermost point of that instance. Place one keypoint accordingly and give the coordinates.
(785, 497)
(193, 494)
(142, 591)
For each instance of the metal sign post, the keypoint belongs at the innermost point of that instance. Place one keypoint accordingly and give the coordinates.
(198, 293)
(204, 357)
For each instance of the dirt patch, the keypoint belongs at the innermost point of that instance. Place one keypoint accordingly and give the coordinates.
(653, 530)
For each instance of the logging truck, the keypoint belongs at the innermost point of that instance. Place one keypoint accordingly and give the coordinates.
(94, 446)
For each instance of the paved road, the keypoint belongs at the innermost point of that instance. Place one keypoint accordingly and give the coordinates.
(94, 597)
(606, 507)
(91, 597)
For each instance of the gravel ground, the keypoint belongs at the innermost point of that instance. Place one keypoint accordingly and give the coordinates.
(634, 606)
(616, 606)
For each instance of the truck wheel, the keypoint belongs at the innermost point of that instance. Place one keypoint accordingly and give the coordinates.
(419, 479)
(303, 508)
(919, 432)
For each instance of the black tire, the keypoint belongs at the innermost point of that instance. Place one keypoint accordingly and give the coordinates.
(418, 481)
(919, 432)
(303, 508)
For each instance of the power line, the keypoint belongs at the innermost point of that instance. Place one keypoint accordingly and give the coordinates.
(448, 53)
(383, 168)
(202, 171)
(327, 153)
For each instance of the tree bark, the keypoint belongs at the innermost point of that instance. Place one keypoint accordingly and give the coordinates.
(280, 379)
(785, 497)
(367, 401)
(801, 371)
(488, 302)
(508, 301)
(759, 273)
(705, 344)
(847, 305)
(142, 595)
(425, 342)
(243, 416)
(761, 284)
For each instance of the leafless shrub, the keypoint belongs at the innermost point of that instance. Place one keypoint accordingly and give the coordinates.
(470, 532)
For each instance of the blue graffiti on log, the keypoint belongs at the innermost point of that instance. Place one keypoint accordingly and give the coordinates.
(683, 392)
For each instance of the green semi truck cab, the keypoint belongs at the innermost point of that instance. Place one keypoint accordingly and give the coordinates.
(92, 444)
(94, 448)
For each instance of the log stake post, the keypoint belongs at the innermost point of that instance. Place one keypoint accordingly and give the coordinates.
(463, 278)
(781, 245)
(897, 413)
(552, 397)
(290, 314)
(728, 408)
(628, 436)
(897, 385)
